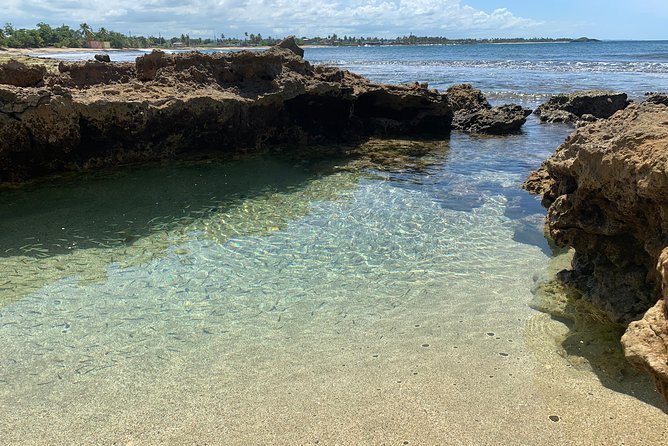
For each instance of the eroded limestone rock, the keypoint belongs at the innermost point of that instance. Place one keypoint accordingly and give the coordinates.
(499, 120)
(581, 106)
(93, 72)
(96, 113)
(607, 191)
(646, 340)
(19, 74)
(290, 44)
(473, 114)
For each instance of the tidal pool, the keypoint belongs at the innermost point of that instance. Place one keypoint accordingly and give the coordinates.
(277, 301)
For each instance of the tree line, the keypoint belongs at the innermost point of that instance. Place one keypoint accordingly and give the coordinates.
(44, 35)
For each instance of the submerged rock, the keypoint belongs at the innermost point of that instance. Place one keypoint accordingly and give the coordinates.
(606, 188)
(582, 105)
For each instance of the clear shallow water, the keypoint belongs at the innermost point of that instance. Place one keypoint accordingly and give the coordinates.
(506, 72)
(127, 277)
(270, 301)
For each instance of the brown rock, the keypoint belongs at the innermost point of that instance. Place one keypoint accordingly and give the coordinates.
(290, 44)
(148, 65)
(21, 75)
(96, 114)
(499, 120)
(573, 106)
(645, 345)
(646, 341)
(473, 114)
(607, 187)
(466, 97)
(86, 74)
(538, 182)
(657, 98)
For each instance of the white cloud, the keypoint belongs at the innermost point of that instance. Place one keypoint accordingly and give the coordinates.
(278, 17)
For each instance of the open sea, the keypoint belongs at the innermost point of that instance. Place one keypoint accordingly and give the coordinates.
(278, 301)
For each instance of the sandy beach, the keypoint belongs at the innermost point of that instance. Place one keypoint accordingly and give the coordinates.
(274, 300)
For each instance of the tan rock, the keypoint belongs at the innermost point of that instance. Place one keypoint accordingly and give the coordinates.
(646, 345)
(607, 190)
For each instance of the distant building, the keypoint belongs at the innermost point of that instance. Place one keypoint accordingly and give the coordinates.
(178, 44)
(98, 44)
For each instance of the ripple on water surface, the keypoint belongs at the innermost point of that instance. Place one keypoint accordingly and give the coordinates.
(200, 298)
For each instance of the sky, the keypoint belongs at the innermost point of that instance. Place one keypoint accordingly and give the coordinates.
(603, 19)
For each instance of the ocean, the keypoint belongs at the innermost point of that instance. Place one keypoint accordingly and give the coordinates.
(271, 300)
(507, 72)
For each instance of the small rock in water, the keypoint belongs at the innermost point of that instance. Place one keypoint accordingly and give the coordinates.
(102, 58)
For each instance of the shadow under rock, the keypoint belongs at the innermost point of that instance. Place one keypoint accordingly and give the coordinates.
(593, 342)
(121, 206)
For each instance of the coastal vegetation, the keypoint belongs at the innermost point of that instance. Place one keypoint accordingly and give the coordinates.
(64, 36)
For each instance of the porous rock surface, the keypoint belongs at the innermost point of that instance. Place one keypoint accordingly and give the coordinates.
(96, 113)
(607, 192)
(19, 74)
(474, 114)
(582, 106)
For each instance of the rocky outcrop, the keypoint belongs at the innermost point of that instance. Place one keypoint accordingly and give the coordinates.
(102, 58)
(538, 182)
(645, 345)
(96, 113)
(582, 106)
(607, 191)
(19, 74)
(290, 44)
(498, 120)
(89, 73)
(656, 98)
(466, 98)
(473, 114)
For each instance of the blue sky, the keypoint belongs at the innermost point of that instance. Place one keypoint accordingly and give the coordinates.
(604, 19)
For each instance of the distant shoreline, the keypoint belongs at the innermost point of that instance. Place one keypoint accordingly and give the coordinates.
(55, 50)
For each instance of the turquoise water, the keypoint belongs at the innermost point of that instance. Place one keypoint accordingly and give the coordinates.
(128, 276)
(285, 301)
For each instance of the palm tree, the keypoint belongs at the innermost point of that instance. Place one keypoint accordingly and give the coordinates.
(103, 34)
(86, 31)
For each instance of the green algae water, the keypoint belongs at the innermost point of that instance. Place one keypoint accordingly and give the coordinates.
(278, 301)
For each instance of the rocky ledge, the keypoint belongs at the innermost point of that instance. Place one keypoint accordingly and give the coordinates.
(97, 113)
(607, 192)
(582, 106)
